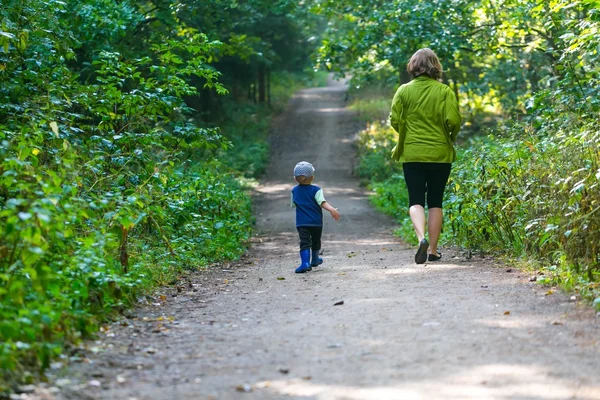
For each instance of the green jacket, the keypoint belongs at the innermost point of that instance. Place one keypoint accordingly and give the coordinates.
(425, 115)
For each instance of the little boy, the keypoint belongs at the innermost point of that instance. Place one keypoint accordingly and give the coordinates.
(309, 201)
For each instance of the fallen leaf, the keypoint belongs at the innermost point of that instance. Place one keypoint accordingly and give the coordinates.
(226, 281)
(284, 370)
(339, 303)
(245, 388)
(506, 312)
(557, 323)
(280, 278)
(549, 292)
(307, 378)
(162, 297)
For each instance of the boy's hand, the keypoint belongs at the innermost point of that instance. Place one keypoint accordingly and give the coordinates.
(335, 214)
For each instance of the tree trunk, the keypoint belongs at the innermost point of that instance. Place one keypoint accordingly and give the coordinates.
(123, 255)
(269, 88)
(404, 76)
(261, 85)
(455, 87)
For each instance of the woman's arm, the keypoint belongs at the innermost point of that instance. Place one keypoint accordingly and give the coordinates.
(397, 123)
(396, 113)
(452, 113)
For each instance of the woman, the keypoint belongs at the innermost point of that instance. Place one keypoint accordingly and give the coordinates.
(425, 115)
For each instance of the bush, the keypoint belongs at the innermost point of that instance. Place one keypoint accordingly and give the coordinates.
(536, 197)
(106, 190)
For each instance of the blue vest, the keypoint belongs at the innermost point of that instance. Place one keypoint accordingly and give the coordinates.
(308, 212)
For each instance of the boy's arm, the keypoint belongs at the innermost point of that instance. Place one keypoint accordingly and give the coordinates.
(292, 204)
(320, 198)
(334, 212)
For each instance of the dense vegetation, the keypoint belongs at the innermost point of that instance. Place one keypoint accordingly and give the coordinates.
(526, 74)
(126, 131)
(128, 128)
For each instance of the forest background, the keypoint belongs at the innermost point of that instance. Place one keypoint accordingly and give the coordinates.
(130, 132)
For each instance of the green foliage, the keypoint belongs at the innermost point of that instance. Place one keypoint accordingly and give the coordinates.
(107, 175)
(496, 54)
(247, 127)
(375, 145)
(535, 197)
(112, 177)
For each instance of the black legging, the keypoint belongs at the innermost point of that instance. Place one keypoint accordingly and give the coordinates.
(310, 237)
(430, 178)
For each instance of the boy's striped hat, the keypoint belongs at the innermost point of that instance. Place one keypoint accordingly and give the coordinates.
(304, 168)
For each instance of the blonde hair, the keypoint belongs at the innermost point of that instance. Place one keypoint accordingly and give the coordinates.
(304, 180)
(425, 62)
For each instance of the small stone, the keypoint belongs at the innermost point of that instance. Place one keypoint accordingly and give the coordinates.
(56, 365)
(94, 383)
(63, 382)
(533, 278)
(26, 389)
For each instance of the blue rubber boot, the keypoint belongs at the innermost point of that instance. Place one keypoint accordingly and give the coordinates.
(316, 260)
(305, 265)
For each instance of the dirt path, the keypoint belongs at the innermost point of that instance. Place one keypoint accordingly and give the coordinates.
(454, 330)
